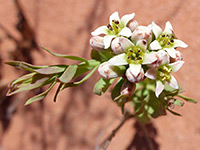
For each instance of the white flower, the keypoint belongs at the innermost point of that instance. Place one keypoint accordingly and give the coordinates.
(134, 56)
(142, 32)
(163, 76)
(133, 24)
(116, 27)
(107, 71)
(165, 40)
(96, 42)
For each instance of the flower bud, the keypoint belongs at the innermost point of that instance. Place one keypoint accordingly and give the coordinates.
(162, 58)
(133, 24)
(120, 44)
(97, 43)
(135, 79)
(128, 88)
(178, 57)
(142, 32)
(106, 70)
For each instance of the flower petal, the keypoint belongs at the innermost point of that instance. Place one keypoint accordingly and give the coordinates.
(114, 16)
(107, 40)
(165, 57)
(176, 65)
(135, 69)
(155, 45)
(125, 32)
(100, 30)
(156, 30)
(126, 18)
(168, 28)
(171, 51)
(106, 70)
(142, 44)
(125, 43)
(149, 58)
(159, 87)
(179, 43)
(118, 60)
(173, 83)
(151, 73)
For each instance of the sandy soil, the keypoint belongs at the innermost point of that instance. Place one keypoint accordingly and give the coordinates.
(77, 119)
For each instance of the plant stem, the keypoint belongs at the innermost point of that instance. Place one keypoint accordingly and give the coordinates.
(104, 145)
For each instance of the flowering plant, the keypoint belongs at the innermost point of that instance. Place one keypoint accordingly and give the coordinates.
(138, 61)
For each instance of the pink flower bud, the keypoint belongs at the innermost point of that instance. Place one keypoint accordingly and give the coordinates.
(106, 70)
(162, 58)
(177, 58)
(133, 24)
(97, 43)
(120, 44)
(128, 88)
(135, 79)
(142, 32)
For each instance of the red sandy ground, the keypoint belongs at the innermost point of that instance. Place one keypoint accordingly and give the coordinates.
(76, 120)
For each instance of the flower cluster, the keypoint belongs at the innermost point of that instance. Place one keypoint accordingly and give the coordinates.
(144, 51)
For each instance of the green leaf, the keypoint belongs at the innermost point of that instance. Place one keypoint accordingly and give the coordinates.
(30, 86)
(57, 91)
(85, 67)
(102, 85)
(117, 89)
(65, 56)
(22, 79)
(51, 69)
(187, 99)
(101, 56)
(74, 84)
(24, 66)
(69, 73)
(40, 96)
(173, 112)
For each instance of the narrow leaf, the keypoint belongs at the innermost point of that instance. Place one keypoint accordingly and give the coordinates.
(51, 69)
(68, 75)
(174, 113)
(57, 91)
(30, 86)
(102, 85)
(24, 65)
(117, 89)
(40, 96)
(65, 56)
(187, 99)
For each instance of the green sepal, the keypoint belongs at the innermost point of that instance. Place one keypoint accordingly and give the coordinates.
(102, 85)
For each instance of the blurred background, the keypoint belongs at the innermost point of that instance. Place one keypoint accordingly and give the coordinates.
(79, 118)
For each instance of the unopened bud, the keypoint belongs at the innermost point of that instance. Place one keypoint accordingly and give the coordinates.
(142, 32)
(97, 43)
(135, 79)
(128, 88)
(162, 58)
(177, 58)
(120, 44)
(133, 24)
(107, 71)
